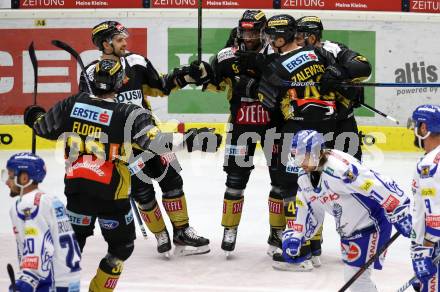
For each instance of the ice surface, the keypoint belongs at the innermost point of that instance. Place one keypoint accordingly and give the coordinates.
(249, 268)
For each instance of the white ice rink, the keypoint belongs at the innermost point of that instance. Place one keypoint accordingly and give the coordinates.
(249, 269)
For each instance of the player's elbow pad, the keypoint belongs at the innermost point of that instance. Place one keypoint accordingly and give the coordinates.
(358, 69)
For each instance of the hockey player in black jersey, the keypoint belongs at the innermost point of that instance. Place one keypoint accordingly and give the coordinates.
(142, 80)
(303, 107)
(96, 132)
(352, 66)
(249, 122)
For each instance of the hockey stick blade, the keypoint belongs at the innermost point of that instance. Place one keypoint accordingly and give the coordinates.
(369, 262)
(379, 113)
(414, 278)
(69, 49)
(138, 218)
(62, 45)
(34, 62)
(11, 275)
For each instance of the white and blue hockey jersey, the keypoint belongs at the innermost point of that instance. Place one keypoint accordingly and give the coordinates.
(356, 196)
(426, 208)
(48, 253)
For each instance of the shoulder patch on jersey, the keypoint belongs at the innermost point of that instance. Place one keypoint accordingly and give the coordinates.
(331, 47)
(367, 185)
(425, 171)
(350, 175)
(299, 59)
(428, 192)
(60, 211)
(226, 53)
(436, 158)
(328, 170)
(135, 59)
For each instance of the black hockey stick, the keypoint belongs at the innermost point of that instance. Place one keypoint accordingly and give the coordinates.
(11, 276)
(369, 262)
(34, 61)
(288, 83)
(199, 31)
(70, 50)
(414, 278)
(379, 112)
(138, 218)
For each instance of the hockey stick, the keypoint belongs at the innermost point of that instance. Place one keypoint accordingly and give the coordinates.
(138, 217)
(70, 50)
(11, 276)
(199, 31)
(379, 112)
(34, 61)
(414, 278)
(369, 262)
(360, 84)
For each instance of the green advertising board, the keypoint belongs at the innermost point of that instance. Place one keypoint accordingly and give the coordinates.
(182, 48)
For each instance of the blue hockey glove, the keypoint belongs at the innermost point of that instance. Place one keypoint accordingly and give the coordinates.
(401, 219)
(291, 247)
(422, 262)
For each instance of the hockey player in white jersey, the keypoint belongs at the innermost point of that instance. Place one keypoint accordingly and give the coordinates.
(364, 203)
(48, 253)
(426, 210)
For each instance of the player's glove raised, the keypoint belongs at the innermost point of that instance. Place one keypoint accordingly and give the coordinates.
(332, 76)
(422, 262)
(196, 73)
(32, 113)
(203, 139)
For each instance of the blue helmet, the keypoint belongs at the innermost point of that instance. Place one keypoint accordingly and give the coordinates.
(428, 114)
(307, 141)
(29, 163)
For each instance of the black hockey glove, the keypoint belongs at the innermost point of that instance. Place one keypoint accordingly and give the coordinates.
(359, 97)
(246, 87)
(195, 73)
(32, 113)
(253, 60)
(203, 139)
(332, 76)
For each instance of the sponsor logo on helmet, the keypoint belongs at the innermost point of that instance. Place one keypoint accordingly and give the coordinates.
(299, 59)
(311, 19)
(277, 22)
(91, 113)
(99, 28)
(259, 15)
(247, 24)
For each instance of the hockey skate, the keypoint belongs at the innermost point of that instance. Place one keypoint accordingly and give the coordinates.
(316, 261)
(274, 241)
(187, 242)
(280, 264)
(163, 243)
(229, 239)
